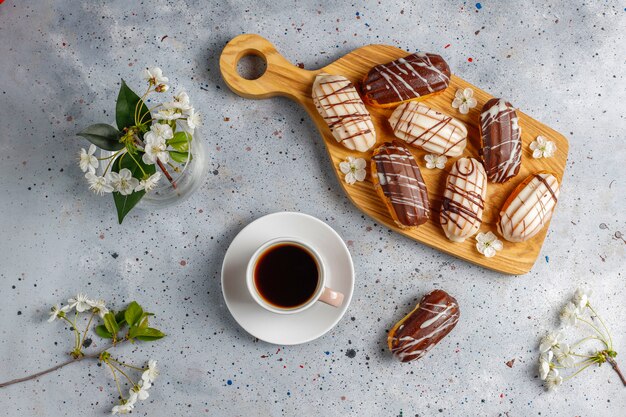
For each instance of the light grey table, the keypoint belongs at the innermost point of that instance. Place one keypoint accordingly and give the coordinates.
(60, 64)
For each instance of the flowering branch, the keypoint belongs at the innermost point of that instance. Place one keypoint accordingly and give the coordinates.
(139, 329)
(553, 347)
(150, 140)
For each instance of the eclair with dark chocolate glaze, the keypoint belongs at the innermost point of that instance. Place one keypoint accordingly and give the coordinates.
(414, 76)
(399, 183)
(419, 331)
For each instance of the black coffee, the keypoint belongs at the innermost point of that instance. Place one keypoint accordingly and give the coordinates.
(286, 275)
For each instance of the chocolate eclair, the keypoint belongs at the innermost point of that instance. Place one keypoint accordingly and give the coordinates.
(432, 319)
(399, 183)
(501, 140)
(339, 104)
(529, 207)
(463, 199)
(435, 132)
(415, 76)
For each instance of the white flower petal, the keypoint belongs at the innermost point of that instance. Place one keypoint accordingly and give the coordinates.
(537, 153)
(456, 103)
(350, 178)
(344, 167)
(471, 102)
(468, 93)
(360, 163)
(360, 174)
(464, 108)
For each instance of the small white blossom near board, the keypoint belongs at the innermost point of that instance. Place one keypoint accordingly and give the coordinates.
(435, 161)
(542, 148)
(488, 244)
(354, 169)
(464, 100)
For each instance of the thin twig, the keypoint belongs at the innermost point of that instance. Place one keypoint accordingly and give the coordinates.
(616, 368)
(167, 174)
(54, 368)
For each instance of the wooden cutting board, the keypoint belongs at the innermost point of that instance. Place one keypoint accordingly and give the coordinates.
(281, 78)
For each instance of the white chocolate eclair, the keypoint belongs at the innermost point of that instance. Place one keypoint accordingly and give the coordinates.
(529, 207)
(338, 102)
(434, 132)
(463, 199)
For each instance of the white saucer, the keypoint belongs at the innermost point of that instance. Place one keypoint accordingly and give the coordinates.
(286, 329)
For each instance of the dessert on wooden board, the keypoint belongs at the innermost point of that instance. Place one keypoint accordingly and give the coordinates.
(414, 76)
(399, 183)
(285, 79)
(419, 331)
(463, 199)
(501, 138)
(435, 132)
(529, 207)
(338, 102)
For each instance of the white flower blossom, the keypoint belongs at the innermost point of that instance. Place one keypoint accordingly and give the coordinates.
(549, 341)
(168, 114)
(87, 161)
(161, 131)
(545, 364)
(194, 119)
(154, 76)
(123, 408)
(464, 100)
(141, 390)
(581, 297)
(123, 182)
(155, 148)
(98, 184)
(150, 183)
(150, 374)
(181, 102)
(563, 354)
(569, 314)
(98, 306)
(81, 303)
(58, 312)
(553, 380)
(354, 169)
(435, 161)
(542, 148)
(488, 244)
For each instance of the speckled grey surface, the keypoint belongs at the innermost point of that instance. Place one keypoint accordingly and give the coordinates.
(60, 67)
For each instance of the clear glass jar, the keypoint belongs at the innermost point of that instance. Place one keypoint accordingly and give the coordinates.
(187, 178)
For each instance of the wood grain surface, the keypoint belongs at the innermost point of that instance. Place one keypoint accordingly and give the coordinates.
(282, 78)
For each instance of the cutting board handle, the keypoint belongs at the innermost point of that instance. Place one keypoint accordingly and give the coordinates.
(281, 77)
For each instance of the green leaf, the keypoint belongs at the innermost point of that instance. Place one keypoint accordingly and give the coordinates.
(125, 203)
(180, 141)
(180, 157)
(149, 334)
(119, 318)
(125, 108)
(133, 313)
(102, 331)
(111, 324)
(103, 136)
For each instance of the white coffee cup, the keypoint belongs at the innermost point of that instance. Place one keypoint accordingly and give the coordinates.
(321, 293)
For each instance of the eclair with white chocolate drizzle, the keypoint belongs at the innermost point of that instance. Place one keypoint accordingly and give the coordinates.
(435, 132)
(463, 199)
(529, 207)
(339, 104)
(432, 319)
(399, 183)
(501, 140)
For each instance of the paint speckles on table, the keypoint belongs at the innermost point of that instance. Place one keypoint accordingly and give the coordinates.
(266, 156)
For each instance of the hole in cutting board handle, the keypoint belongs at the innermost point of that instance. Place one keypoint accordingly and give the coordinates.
(251, 65)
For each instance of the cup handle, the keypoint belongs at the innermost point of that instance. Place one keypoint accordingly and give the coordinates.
(331, 297)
